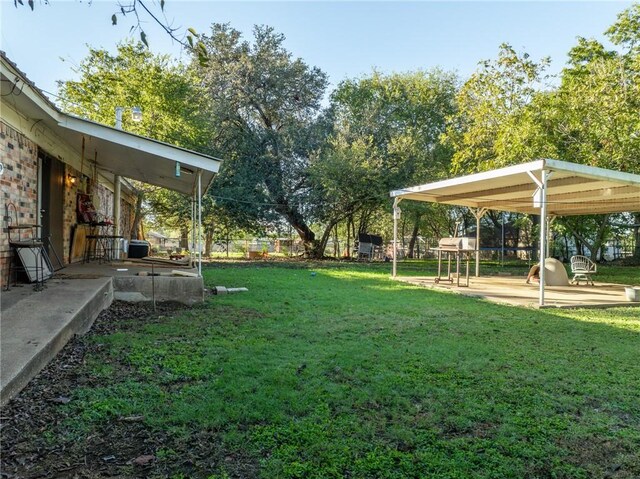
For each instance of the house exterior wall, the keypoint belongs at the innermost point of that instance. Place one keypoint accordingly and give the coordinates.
(19, 182)
(20, 140)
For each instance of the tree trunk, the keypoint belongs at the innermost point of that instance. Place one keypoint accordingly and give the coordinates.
(414, 234)
(208, 241)
(184, 238)
(349, 220)
(137, 218)
(535, 243)
(322, 244)
(594, 246)
(297, 222)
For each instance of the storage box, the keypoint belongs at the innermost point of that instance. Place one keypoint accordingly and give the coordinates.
(138, 249)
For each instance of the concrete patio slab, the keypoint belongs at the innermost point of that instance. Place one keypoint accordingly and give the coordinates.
(514, 291)
(129, 286)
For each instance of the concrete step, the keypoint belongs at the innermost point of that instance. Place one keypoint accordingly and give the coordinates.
(28, 342)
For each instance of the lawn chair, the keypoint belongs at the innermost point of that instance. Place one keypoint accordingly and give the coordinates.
(582, 268)
(369, 246)
(365, 251)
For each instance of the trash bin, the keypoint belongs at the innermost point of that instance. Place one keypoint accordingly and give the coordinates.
(138, 249)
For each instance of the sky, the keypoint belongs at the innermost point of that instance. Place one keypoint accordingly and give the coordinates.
(344, 39)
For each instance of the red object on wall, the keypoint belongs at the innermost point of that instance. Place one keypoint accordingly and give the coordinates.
(85, 210)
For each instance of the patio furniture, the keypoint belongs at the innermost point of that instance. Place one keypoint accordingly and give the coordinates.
(582, 268)
(28, 255)
(369, 246)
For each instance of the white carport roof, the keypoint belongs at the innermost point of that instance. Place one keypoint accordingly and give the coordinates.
(115, 151)
(543, 187)
(572, 189)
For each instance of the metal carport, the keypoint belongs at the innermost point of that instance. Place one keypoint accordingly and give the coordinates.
(545, 187)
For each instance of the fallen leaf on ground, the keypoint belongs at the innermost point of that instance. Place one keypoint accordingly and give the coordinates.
(143, 460)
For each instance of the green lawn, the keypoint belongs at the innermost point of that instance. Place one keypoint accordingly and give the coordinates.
(334, 370)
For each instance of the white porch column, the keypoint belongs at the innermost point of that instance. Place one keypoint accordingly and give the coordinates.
(200, 223)
(192, 246)
(116, 204)
(396, 217)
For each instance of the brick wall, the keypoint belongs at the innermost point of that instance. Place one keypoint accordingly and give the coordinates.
(19, 183)
(19, 186)
(69, 218)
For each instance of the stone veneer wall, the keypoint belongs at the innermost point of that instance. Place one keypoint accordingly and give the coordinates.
(19, 183)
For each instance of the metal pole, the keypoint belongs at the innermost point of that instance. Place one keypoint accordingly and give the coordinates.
(478, 245)
(502, 242)
(193, 227)
(116, 204)
(199, 223)
(395, 236)
(478, 214)
(119, 111)
(543, 233)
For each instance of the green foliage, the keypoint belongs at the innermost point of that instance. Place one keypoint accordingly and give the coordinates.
(172, 105)
(267, 104)
(385, 136)
(488, 106)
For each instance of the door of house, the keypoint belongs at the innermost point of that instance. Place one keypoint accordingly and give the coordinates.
(51, 201)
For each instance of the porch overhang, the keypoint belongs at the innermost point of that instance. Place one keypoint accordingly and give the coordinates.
(116, 152)
(150, 161)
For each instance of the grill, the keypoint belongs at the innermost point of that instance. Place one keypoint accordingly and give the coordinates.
(459, 248)
(457, 244)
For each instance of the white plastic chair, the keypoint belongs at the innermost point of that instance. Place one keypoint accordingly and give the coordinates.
(582, 268)
(365, 251)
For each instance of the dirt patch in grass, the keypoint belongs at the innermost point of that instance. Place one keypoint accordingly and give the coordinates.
(603, 457)
(37, 440)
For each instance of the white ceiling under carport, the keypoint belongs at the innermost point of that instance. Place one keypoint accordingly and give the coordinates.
(572, 189)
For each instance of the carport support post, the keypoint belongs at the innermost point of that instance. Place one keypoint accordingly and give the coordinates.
(479, 213)
(543, 232)
(396, 216)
